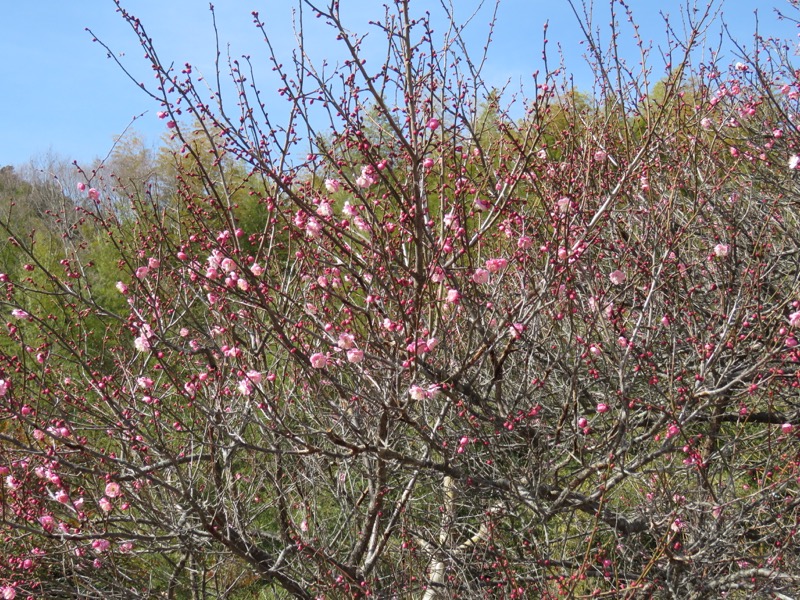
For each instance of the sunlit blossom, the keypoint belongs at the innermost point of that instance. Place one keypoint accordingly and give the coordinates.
(141, 343)
(354, 355)
(346, 341)
(481, 276)
(494, 265)
(524, 242)
(319, 360)
(617, 277)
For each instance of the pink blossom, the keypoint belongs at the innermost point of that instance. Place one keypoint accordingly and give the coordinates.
(433, 123)
(602, 407)
(255, 376)
(47, 522)
(617, 277)
(453, 296)
(346, 341)
(318, 360)
(324, 209)
(313, 228)
(245, 387)
(794, 319)
(8, 592)
(787, 428)
(563, 204)
(482, 204)
(524, 242)
(81, 186)
(427, 162)
(349, 210)
(257, 270)
(162, 114)
(705, 123)
(332, 185)
(18, 313)
(354, 355)
(367, 177)
(494, 265)
(171, 124)
(62, 497)
(144, 382)
(113, 490)
(105, 504)
(721, 250)
(228, 265)
(3, 387)
(94, 194)
(101, 545)
(142, 272)
(125, 547)
(481, 276)
(418, 392)
(141, 343)
(794, 162)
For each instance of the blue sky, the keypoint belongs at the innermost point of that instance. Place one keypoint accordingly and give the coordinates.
(60, 93)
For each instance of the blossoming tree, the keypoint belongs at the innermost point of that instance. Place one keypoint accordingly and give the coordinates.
(471, 352)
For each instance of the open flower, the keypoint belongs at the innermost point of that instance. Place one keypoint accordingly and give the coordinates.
(494, 265)
(354, 355)
(617, 277)
(480, 276)
(318, 360)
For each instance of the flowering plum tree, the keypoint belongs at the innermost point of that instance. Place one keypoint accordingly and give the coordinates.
(467, 352)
